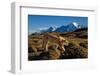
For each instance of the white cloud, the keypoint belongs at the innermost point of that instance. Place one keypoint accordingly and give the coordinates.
(43, 28)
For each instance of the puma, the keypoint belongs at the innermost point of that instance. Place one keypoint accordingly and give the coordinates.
(55, 40)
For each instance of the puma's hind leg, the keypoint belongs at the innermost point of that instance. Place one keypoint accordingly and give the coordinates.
(34, 49)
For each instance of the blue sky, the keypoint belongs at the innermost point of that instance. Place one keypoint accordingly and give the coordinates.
(39, 22)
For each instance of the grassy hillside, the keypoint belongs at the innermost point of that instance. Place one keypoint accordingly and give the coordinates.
(77, 48)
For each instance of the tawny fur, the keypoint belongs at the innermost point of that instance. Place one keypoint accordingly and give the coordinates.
(54, 40)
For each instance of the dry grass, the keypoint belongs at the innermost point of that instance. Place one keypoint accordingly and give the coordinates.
(77, 48)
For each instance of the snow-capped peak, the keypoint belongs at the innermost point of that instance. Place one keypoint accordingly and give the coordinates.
(76, 25)
(64, 28)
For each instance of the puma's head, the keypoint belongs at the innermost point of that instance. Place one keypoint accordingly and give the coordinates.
(63, 41)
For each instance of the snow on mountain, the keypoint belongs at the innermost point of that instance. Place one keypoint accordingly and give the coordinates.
(68, 28)
(76, 24)
(64, 28)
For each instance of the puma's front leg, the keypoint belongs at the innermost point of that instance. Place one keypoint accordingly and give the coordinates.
(46, 46)
(55, 46)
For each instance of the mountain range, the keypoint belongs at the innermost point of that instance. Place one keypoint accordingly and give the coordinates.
(64, 28)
